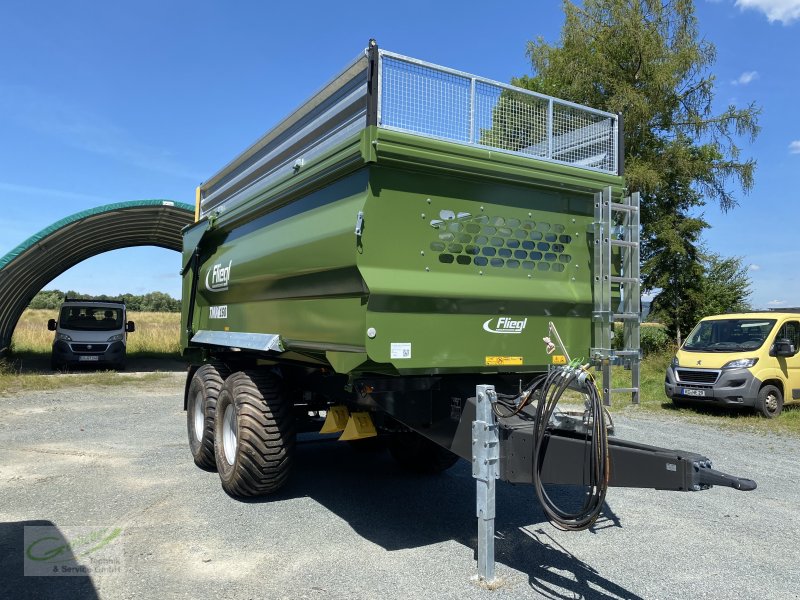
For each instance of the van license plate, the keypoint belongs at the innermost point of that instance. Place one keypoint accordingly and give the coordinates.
(691, 392)
(89, 358)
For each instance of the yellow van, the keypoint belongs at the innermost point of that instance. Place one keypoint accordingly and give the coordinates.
(748, 359)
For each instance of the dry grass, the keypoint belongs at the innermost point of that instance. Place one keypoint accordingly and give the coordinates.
(12, 382)
(157, 334)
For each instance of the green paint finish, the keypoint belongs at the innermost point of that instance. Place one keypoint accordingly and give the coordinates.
(346, 362)
(446, 258)
(464, 254)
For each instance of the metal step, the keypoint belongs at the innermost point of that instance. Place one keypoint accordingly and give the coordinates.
(615, 279)
(625, 316)
(623, 207)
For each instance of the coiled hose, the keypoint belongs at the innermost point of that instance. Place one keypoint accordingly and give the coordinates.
(548, 391)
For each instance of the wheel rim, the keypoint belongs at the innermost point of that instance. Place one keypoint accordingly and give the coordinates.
(199, 417)
(771, 402)
(229, 441)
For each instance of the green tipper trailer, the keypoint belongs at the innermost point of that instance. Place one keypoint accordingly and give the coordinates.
(408, 234)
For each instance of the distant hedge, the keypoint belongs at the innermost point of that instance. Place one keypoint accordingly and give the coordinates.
(653, 339)
(150, 302)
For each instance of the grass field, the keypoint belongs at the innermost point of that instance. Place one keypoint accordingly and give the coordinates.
(157, 334)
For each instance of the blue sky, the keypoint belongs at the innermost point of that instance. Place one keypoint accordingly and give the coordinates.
(105, 102)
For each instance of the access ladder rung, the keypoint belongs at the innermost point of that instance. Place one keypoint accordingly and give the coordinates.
(623, 207)
(615, 279)
(626, 316)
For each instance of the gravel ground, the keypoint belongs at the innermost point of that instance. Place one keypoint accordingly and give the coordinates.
(352, 525)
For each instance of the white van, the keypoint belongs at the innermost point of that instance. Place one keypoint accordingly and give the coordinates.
(89, 332)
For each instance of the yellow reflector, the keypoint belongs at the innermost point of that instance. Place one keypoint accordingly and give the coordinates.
(197, 204)
(359, 426)
(335, 420)
(559, 359)
(499, 361)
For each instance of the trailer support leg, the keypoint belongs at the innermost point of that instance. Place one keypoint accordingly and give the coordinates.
(485, 470)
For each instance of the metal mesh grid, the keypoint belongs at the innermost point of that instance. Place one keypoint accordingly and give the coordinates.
(434, 101)
(422, 100)
(583, 138)
(511, 121)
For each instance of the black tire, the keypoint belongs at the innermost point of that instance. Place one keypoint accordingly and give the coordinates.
(417, 453)
(770, 402)
(201, 403)
(259, 460)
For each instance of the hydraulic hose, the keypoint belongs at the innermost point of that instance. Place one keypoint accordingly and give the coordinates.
(548, 392)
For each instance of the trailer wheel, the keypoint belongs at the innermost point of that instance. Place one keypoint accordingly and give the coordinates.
(417, 453)
(201, 411)
(254, 434)
(769, 402)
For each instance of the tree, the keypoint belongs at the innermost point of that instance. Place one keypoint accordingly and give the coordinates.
(645, 60)
(151, 302)
(724, 287)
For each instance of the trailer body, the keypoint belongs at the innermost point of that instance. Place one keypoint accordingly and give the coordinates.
(407, 235)
(392, 252)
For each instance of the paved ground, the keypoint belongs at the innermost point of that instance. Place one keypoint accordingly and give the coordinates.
(353, 525)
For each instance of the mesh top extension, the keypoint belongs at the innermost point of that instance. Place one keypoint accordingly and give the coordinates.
(395, 92)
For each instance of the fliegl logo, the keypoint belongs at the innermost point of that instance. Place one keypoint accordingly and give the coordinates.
(217, 277)
(505, 325)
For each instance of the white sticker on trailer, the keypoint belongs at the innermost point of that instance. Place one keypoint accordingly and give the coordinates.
(218, 312)
(401, 350)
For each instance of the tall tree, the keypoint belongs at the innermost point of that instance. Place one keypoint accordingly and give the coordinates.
(646, 60)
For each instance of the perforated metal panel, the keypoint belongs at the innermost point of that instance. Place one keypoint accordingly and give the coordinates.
(500, 242)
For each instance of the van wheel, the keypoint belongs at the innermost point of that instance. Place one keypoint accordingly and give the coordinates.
(200, 413)
(769, 402)
(254, 434)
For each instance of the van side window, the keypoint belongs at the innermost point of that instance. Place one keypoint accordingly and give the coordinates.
(790, 331)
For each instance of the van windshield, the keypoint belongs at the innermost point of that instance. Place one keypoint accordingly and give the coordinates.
(728, 335)
(90, 318)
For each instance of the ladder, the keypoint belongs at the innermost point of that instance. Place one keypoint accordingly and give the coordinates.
(616, 277)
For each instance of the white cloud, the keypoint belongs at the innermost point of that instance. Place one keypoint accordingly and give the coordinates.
(72, 125)
(794, 147)
(745, 78)
(784, 11)
(754, 267)
(30, 190)
(776, 302)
